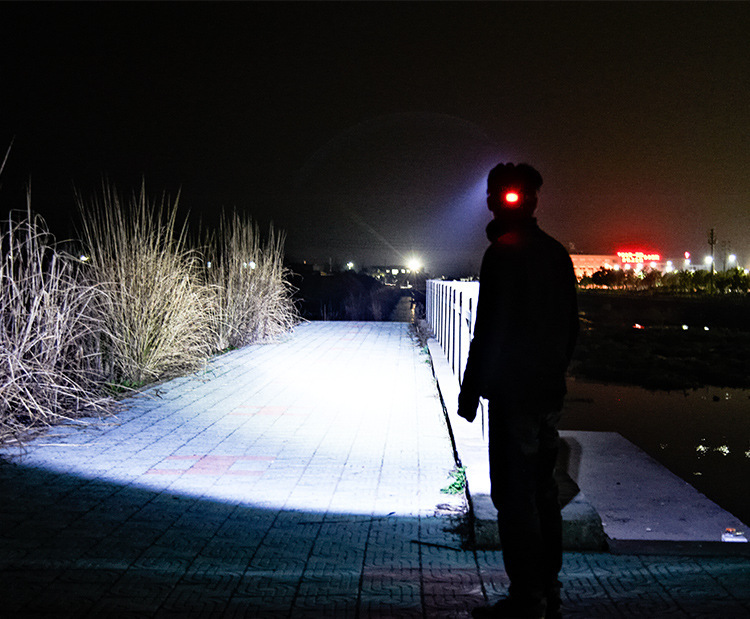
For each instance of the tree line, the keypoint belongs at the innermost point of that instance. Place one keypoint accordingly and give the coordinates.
(731, 281)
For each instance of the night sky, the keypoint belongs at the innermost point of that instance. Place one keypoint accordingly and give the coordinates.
(366, 131)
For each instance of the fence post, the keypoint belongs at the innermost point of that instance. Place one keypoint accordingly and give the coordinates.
(453, 330)
(443, 314)
(460, 309)
(451, 308)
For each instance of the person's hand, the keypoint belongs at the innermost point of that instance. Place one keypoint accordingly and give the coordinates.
(467, 406)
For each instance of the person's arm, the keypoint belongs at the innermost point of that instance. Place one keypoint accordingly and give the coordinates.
(468, 398)
(471, 383)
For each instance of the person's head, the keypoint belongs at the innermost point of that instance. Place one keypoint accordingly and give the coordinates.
(512, 191)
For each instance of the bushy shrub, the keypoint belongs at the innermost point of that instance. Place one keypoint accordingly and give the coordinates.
(155, 313)
(49, 363)
(252, 296)
(137, 305)
(345, 296)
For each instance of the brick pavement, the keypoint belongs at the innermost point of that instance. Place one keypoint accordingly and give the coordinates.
(295, 479)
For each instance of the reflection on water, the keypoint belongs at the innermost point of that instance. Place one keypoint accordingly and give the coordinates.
(702, 435)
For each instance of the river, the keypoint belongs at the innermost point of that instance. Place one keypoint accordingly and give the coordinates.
(701, 435)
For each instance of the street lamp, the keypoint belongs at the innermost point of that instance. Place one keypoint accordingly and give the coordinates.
(414, 265)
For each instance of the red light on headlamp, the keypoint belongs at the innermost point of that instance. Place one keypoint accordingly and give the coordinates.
(511, 198)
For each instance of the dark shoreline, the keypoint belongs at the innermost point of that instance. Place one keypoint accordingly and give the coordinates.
(701, 435)
(664, 342)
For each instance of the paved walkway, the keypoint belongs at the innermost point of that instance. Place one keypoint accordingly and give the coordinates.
(296, 479)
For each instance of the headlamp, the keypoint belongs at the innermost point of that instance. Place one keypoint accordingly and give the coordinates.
(511, 197)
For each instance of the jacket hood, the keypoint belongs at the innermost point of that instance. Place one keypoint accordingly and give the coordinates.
(499, 227)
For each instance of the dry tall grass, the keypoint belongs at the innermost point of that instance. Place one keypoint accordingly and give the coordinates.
(49, 363)
(253, 298)
(156, 313)
(141, 306)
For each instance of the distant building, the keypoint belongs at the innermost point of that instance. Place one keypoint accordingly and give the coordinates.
(395, 275)
(585, 265)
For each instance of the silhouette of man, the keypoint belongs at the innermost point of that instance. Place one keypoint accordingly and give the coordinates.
(526, 328)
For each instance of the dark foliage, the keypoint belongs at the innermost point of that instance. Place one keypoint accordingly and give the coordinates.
(664, 342)
(344, 296)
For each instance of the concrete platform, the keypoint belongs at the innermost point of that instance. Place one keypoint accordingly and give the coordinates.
(611, 489)
(639, 499)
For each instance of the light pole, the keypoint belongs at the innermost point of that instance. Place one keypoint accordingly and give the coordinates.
(711, 244)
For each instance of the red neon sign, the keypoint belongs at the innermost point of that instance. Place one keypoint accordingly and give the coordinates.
(637, 257)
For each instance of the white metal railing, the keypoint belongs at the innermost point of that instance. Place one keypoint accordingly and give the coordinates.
(450, 309)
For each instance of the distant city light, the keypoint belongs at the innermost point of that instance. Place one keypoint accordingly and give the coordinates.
(708, 260)
(350, 265)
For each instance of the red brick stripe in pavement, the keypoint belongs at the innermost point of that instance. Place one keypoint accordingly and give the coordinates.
(212, 465)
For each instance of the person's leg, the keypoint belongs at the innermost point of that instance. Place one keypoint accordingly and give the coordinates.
(515, 468)
(548, 504)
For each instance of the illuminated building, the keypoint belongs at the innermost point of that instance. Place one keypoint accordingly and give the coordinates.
(585, 265)
(395, 275)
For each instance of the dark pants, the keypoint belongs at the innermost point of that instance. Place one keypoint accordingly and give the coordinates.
(523, 446)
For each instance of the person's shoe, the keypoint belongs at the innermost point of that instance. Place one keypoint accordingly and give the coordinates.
(553, 604)
(553, 613)
(510, 608)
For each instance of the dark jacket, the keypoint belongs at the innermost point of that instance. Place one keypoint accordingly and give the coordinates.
(527, 319)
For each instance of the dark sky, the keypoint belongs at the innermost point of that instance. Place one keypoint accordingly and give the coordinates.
(366, 131)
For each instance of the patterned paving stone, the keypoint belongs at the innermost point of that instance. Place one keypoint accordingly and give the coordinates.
(295, 479)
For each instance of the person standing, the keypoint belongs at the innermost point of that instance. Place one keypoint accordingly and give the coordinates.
(525, 332)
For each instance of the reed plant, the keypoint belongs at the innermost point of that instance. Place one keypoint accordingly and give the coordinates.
(138, 304)
(156, 314)
(252, 295)
(50, 367)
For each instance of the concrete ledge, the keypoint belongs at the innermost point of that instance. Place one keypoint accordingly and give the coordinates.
(627, 496)
(638, 498)
(582, 526)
